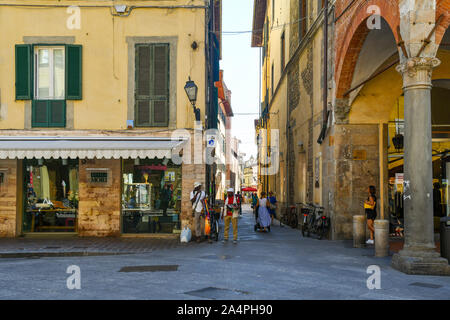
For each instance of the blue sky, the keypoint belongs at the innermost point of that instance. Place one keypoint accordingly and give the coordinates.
(240, 63)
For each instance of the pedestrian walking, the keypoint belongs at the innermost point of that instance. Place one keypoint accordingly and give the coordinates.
(239, 200)
(166, 195)
(197, 197)
(255, 204)
(230, 215)
(272, 205)
(370, 208)
(263, 212)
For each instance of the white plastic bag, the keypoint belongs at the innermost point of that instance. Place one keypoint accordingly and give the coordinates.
(185, 235)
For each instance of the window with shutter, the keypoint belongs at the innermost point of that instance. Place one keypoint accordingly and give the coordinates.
(152, 85)
(55, 75)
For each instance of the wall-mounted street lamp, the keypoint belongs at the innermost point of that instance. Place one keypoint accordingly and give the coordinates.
(191, 91)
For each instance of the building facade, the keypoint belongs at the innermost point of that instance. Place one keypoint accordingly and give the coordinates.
(373, 114)
(290, 35)
(223, 147)
(92, 103)
(250, 174)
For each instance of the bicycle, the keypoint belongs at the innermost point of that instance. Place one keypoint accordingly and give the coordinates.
(213, 215)
(315, 221)
(290, 218)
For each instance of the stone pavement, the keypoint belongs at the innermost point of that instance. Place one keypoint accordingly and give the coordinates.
(24, 247)
(276, 265)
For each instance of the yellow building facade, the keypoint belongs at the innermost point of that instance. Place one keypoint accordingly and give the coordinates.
(92, 93)
(291, 39)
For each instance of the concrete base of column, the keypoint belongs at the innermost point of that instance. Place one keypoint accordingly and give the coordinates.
(381, 238)
(359, 231)
(421, 261)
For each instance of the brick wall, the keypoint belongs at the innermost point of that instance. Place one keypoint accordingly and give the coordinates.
(8, 200)
(350, 33)
(99, 206)
(443, 7)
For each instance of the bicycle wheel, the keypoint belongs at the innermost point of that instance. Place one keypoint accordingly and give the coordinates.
(295, 221)
(321, 232)
(304, 230)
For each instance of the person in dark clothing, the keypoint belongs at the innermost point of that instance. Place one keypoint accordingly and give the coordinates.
(437, 200)
(370, 207)
(239, 199)
(166, 194)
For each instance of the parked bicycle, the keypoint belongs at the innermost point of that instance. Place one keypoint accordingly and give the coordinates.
(290, 218)
(314, 221)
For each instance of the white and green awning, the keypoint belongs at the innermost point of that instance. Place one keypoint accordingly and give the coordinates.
(87, 147)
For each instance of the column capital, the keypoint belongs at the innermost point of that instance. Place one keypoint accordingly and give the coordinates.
(342, 110)
(417, 72)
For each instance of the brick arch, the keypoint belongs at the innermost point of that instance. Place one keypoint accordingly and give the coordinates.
(443, 7)
(351, 34)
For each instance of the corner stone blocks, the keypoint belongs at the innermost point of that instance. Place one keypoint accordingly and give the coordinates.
(356, 163)
(99, 206)
(8, 190)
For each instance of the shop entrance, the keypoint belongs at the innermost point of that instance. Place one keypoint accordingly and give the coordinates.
(50, 195)
(151, 196)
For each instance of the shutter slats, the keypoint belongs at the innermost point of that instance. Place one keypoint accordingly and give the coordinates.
(152, 85)
(40, 113)
(160, 112)
(57, 113)
(160, 71)
(143, 70)
(143, 112)
(73, 72)
(23, 72)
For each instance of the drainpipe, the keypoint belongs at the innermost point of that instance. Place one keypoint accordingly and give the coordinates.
(325, 76)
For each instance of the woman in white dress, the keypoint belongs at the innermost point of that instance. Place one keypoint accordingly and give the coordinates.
(264, 219)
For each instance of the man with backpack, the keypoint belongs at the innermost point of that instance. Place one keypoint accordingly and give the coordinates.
(230, 214)
(197, 197)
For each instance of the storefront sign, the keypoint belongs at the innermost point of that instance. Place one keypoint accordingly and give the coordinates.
(359, 155)
(99, 176)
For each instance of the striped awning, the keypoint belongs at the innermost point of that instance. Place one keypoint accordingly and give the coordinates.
(87, 147)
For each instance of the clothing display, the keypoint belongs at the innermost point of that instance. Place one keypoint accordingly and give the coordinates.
(45, 183)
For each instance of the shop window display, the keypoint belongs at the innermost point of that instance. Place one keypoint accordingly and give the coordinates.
(51, 195)
(151, 197)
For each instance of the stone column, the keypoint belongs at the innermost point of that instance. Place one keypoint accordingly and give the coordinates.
(418, 255)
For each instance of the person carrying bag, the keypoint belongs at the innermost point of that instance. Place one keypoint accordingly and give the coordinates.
(197, 197)
(230, 215)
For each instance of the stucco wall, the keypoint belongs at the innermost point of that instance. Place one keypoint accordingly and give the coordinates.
(105, 57)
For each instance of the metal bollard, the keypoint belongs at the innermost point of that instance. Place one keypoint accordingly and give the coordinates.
(381, 238)
(359, 231)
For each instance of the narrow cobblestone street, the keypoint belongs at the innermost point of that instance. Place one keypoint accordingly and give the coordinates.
(276, 265)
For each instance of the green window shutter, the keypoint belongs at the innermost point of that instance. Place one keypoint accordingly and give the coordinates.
(73, 72)
(40, 113)
(48, 113)
(143, 57)
(143, 113)
(152, 85)
(23, 72)
(160, 85)
(56, 113)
